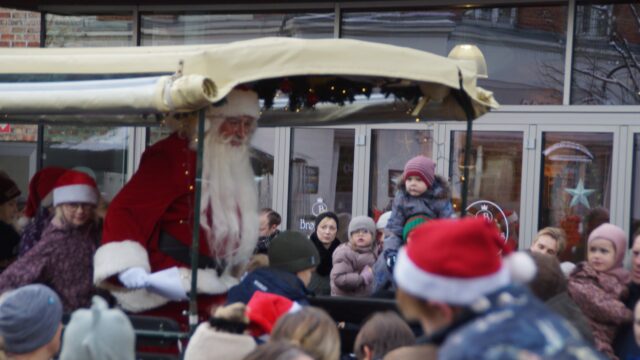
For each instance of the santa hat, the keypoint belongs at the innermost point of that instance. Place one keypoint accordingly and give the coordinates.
(422, 167)
(75, 187)
(264, 310)
(458, 262)
(41, 189)
(239, 102)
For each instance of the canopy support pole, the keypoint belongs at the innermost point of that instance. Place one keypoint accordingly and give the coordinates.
(465, 102)
(195, 244)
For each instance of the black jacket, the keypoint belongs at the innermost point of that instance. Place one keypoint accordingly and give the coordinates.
(272, 281)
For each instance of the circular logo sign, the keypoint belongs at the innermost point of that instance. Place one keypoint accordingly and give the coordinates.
(492, 212)
(319, 207)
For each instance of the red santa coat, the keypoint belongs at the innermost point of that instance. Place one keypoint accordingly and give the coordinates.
(159, 197)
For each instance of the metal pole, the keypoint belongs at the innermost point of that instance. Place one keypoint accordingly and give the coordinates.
(465, 169)
(195, 245)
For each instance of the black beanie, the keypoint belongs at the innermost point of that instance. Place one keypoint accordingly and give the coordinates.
(292, 252)
(8, 188)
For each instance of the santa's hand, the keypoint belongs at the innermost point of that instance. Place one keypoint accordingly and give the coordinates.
(134, 278)
(167, 283)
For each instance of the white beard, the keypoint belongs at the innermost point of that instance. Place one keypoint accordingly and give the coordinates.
(230, 192)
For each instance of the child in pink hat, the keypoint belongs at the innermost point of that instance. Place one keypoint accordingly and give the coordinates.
(420, 192)
(598, 285)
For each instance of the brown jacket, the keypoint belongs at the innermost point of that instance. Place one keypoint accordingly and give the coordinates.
(348, 263)
(600, 295)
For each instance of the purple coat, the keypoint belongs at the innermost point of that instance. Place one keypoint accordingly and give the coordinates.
(62, 260)
(345, 274)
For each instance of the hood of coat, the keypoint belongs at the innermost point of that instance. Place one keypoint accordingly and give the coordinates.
(440, 188)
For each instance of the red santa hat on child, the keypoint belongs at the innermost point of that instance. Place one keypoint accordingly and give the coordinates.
(264, 310)
(75, 187)
(240, 101)
(459, 262)
(41, 189)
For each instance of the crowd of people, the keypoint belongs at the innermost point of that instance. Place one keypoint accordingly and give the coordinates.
(462, 292)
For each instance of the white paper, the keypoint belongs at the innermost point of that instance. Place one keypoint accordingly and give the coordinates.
(167, 283)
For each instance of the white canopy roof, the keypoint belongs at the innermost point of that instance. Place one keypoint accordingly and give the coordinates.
(209, 72)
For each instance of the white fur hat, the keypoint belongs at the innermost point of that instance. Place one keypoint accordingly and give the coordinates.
(238, 102)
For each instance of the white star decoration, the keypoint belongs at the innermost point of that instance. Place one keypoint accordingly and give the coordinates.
(579, 194)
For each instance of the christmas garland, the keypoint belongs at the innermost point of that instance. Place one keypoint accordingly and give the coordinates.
(306, 92)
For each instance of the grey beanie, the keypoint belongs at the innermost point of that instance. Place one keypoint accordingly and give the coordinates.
(98, 333)
(29, 318)
(362, 222)
(292, 252)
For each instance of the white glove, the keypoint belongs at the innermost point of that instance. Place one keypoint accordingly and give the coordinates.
(134, 278)
(167, 283)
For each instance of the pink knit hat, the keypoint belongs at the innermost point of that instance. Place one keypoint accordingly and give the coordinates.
(616, 236)
(420, 166)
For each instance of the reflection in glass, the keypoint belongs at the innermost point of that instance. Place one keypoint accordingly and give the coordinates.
(524, 46)
(576, 176)
(93, 31)
(99, 151)
(321, 176)
(495, 175)
(172, 29)
(606, 57)
(263, 145)
(390, 150)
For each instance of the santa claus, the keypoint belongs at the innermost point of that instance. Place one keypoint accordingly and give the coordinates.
(144, 259)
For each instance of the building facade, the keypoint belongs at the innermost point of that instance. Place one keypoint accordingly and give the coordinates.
(565, 141)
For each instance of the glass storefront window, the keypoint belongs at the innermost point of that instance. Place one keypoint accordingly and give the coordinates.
(320, 176)
(606, 54)
(495, 177)
(635, 201)
(93, 31)
(263, 147)
(18, 154)
(99, 151)
(172, 29)
(390, 150)
(524, 46)
(576, 183)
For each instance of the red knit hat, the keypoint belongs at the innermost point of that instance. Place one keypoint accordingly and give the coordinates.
(41, 189)
(458, 262)
(422, 167)
(75, 186)
(264, 310)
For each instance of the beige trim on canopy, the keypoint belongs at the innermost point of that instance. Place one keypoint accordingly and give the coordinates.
(228, 65)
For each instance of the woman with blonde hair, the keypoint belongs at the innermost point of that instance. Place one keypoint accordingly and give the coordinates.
(311, 329)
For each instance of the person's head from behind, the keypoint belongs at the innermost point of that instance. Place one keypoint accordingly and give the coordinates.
(9, 193)
(278, 350)
(313, 330)
(383, 332)
(326, 228)
(31, 322)
(606, 247)
(98, 333)
(550, 241)
(75, 197)
(269, 221)
(453, 265)
(418, 175)
(292, 252)
(549, 280)
(362, 231)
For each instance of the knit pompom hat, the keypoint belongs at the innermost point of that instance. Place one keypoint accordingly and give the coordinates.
(422, 167)
(614, 234)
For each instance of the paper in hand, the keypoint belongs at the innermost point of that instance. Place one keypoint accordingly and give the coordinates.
(167, 283)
